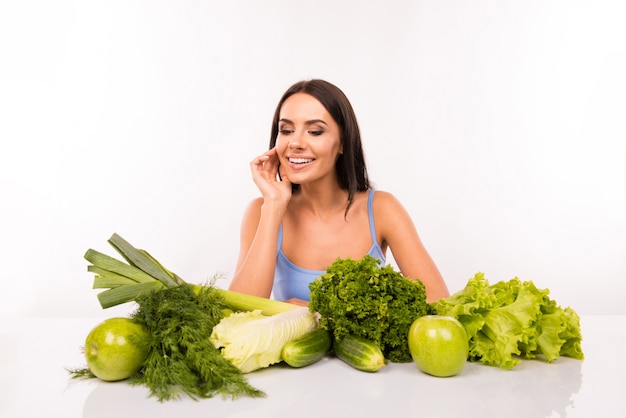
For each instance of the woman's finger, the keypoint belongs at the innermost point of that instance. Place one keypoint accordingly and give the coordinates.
(259, 160)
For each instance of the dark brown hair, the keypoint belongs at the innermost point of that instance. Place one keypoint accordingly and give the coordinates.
(350, 166)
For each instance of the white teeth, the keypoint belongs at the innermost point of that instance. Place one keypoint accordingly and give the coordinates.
(300, 160)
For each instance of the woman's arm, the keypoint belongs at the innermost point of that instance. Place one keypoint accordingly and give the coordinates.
(256, 263)
(396, 228)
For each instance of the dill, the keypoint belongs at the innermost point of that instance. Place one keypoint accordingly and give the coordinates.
(181, 358)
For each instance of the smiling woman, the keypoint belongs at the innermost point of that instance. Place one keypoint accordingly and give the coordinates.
(318, 205)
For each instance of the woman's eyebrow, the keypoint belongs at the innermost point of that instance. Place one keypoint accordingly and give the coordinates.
(308, 122)
(314, 121)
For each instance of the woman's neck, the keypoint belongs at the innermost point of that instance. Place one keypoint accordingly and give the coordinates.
(322, 201)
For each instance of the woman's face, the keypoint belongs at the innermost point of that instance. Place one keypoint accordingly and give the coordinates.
(308, 141)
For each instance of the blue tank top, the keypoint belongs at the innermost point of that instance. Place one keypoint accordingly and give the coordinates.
(291, 281)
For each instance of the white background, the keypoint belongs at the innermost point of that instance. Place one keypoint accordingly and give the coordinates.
(499, 124)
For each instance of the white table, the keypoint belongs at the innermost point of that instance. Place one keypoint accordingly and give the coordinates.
(36, 351)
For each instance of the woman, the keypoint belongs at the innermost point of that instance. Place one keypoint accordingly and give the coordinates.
(317, 203)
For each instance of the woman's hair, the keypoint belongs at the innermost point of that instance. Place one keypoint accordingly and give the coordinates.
(350, 166)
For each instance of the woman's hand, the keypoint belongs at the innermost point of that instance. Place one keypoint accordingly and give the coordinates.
(265, 171)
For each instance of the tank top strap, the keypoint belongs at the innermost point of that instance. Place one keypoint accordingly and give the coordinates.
(370, 213)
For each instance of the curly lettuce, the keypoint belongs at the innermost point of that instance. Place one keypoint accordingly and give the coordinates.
(361, 298)
(512, 319)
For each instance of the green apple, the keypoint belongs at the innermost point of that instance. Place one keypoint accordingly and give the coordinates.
(438, 345)
(115, 349)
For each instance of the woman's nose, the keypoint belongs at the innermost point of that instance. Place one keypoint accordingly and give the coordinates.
(295, 141)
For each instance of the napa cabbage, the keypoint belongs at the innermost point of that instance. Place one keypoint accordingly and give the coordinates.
(251, 340)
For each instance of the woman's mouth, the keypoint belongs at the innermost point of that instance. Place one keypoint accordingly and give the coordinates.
(300, 161)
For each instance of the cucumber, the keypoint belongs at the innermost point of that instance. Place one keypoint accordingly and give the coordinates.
(360, 353)
(308, 349)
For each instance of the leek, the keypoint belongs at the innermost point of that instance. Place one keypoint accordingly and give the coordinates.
(103, 264)
(242, 302)
(126, 293)
(141, 273)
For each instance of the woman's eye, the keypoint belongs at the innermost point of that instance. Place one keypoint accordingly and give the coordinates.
(316, 133)
(285, 131)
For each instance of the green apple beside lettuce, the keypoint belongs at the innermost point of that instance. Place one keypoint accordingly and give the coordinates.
(438, 345)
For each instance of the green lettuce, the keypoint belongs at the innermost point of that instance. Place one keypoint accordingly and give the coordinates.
(364, 299)
(511, 320)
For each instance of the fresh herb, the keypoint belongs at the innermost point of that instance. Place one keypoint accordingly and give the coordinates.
(80, 373)
(512, 319)
(181, 358)
(363, 299)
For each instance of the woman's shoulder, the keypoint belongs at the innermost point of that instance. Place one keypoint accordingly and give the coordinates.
(386, 203)
(257, 202)
(384, 199)
(254, 207)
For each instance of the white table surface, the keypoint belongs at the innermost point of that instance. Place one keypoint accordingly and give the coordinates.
(35, 352)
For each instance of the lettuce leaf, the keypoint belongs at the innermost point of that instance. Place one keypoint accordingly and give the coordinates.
(572, 347)
(511, 320)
